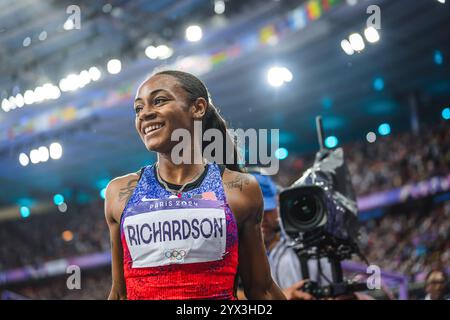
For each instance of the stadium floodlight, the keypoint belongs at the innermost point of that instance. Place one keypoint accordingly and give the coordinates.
(19, 100)
(372, 35)
(194, 33)
(95, 73)
(72, 82)
(331, 142)
(277, 76)
(24, 212)
(28, 97)
(6, 105)
(384, 129)
(357, 42)
(445, 113)
(347, 47)
(12, 103)
(114, 66)
(219, 6)
(43, 154)
(68, 25)
(35, 156)
(164, 52)
(55, 151)
(371, 137)
(151, 52)
(23, 159)
(84, 78)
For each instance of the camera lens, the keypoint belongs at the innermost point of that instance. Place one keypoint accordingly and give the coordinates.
(305, 208)
(306, 211)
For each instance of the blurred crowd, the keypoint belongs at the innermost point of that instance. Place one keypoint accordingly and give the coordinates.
(94, 285)
(411, 241)
(37, 239)
(390, 162)
(401, 159)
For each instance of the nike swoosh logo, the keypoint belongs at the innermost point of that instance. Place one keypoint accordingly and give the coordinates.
(147, 199)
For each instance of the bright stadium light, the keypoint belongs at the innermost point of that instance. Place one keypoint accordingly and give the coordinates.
(58, 199)
(384, 129)
(357, 42)
(24, 212)
(219, 6)
(6, 105)
(378, 84)
(194, 33)
(114, 66)
(331, 142)
(438, 57)
(68, 25)
(28, 97)
(277, 76)
(445, 113)
(151, 52)
(55, 92)
(73, 81)
(371, 35)
(164, 52)
(26, 42)
(95, 73)
(23, 159)
(39, 94)
(64, 85)
(371, 137)
(84, 78)
(34, 156)
(347, 47)
(62, 207)
(43, 35)
(103, 193)
(43, 154)
(12, 103)
(55, 151)
(281, 153)
(47, 91)
(19, 100)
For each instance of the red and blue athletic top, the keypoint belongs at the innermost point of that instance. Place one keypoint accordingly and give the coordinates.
(179, 248)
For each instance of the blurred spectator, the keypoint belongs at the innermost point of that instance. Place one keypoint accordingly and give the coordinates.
(436, 285)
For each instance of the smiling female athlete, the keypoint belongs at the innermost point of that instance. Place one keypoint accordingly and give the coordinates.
(184, 231)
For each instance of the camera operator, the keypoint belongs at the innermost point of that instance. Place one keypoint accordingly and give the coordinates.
(284, 263)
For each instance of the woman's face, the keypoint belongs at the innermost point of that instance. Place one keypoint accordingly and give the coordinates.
(161, 107)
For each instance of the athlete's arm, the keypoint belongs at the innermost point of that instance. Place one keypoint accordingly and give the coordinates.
(246, 202)
(117, 194)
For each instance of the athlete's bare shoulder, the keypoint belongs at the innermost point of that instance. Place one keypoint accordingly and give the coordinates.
(236, 180)
(243, 194)
(118, 191)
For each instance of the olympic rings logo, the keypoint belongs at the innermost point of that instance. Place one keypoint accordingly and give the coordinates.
(175, 254)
